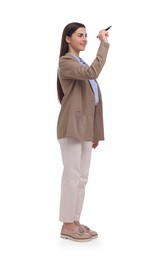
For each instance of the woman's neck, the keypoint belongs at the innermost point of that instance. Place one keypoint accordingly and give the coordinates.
(74, 52)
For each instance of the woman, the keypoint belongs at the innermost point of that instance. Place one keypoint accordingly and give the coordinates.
(80, 124)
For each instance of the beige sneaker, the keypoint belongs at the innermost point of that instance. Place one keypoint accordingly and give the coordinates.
(87, 229)
(91, 232)
(77, 234)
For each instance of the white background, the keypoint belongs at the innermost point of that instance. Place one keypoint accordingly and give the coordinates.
(125, 194)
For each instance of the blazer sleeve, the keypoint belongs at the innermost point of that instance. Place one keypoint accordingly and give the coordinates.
(70, 68)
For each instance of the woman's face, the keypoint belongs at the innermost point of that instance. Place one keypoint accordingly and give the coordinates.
(77, 41)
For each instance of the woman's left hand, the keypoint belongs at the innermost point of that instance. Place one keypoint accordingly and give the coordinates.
(95, 144)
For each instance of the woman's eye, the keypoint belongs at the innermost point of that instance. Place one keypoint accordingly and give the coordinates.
(81, 35)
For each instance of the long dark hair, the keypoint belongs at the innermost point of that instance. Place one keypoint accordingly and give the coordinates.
(68, 31)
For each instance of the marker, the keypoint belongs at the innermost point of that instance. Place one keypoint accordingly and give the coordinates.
(108, 28)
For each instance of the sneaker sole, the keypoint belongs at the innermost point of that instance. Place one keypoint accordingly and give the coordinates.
(75, 239)
(94, 237)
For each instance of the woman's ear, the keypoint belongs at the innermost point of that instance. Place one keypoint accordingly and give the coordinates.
(67, 38)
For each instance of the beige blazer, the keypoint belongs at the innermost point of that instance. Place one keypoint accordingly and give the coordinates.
(79, 117)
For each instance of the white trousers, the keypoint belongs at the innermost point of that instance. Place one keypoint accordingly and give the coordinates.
(76, 156)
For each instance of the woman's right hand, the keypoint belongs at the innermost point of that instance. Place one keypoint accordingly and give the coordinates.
(103, 36)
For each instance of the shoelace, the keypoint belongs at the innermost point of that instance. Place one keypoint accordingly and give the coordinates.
(81, 230)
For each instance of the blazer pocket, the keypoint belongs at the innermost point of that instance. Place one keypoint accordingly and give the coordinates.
(80, 123)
